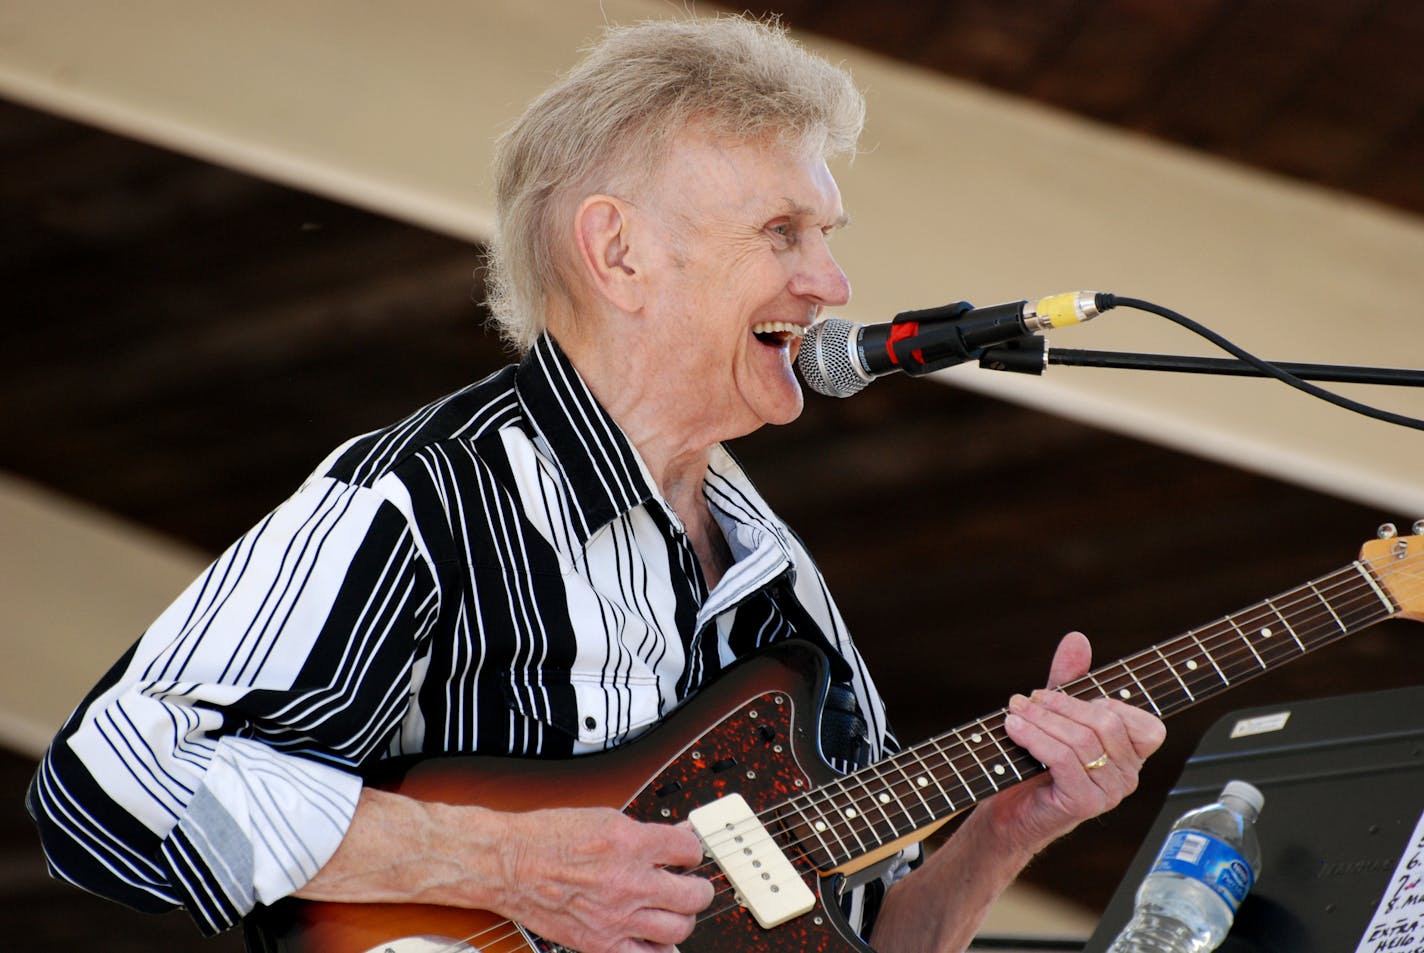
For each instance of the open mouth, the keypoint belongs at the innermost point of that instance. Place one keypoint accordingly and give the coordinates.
(778, 334)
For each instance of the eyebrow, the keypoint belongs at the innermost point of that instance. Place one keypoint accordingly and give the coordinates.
(796, 209)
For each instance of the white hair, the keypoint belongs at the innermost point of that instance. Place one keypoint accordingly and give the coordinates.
(611, 120)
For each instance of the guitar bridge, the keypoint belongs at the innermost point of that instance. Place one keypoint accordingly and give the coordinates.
(766, 882)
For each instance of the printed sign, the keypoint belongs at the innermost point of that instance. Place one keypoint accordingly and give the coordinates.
(1398, 923)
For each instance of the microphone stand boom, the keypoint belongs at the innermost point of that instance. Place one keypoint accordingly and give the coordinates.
(1030, 354)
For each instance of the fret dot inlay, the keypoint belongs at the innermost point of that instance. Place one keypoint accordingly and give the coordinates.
(976, 738)
(884, 799)
(1124, 694)
(1266, 632)
(998, 769)
(1192, 664)
(850, 812)
(923, 782)
(820, 826)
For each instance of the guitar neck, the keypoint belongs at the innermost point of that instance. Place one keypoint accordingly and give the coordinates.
(887, 802)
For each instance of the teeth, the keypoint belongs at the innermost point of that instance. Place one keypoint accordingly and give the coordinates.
(779, 327)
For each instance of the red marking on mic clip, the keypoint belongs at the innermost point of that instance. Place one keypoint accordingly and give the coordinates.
(899, 331)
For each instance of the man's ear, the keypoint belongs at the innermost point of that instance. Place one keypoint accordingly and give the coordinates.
(603, 233)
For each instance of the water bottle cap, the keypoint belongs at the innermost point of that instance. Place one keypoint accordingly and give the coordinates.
(1245, 792)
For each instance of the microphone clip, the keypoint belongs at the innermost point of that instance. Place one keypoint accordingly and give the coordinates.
(922, 342)
(1023, 355)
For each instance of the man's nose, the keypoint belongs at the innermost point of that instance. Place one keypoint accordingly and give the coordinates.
(821, 278)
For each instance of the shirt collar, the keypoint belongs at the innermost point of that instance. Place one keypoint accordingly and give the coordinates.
(607, 477)
(759, 541)
(603, 470)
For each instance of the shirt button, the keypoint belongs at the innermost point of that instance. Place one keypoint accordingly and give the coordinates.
(590, 723)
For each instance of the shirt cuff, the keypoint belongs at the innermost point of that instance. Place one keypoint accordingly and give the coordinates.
(261, 826)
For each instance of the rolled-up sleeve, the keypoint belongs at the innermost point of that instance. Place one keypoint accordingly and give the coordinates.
(215, 766)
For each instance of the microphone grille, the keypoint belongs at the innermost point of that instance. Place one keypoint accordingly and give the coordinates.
(825, 360)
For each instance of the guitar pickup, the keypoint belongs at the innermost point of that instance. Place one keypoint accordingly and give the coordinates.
(766, 882)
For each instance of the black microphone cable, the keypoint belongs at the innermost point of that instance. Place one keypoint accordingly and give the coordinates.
(1105, 301)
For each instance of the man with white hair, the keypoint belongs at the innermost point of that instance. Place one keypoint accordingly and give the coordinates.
(550, 561)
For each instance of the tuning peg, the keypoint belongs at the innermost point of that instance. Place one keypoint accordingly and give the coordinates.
(1418, 527)
(1388, 531)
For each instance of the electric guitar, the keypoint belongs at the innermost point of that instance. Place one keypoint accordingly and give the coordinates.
(741, 761)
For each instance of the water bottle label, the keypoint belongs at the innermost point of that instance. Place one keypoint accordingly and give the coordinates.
(1209, 860)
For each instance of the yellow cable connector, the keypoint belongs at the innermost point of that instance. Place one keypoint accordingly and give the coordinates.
(1061, 310)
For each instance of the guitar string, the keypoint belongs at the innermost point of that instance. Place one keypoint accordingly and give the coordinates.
(1265, 611)
(1311, 632)
(1186, 646)
(1307, 629)
(1229, 628)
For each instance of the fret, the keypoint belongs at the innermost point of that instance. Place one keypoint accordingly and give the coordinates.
(1389, 606)
(1285, 622)
(1210, 658)
(1123, 693)
(975, 755)
(968, 791)
(1328, 607)
(1141, 688)
(822, 825)
(1247, 639)
(999, 768)
(816, 826)
(929, 776)
(917, 789)
(1279, 650)
(1097, 684)
(1268, 649)
(847, 815)
(877, 802)
(1174, 673)
(1202, 677)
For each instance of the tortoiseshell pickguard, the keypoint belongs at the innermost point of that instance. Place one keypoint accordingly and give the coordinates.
(749, 752)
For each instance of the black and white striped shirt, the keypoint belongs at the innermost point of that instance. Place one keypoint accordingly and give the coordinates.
(496, 573)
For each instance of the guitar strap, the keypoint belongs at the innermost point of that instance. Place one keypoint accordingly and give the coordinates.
(845, 738)
(843, 728)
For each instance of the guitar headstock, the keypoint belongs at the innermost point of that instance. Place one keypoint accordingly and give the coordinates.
(1398, 563)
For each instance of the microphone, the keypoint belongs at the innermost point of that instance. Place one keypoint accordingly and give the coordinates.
(839, 357)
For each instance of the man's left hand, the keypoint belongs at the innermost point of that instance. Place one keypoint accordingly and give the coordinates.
(1093, 751)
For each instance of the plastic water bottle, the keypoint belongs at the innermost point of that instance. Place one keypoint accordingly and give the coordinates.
(1190, 896)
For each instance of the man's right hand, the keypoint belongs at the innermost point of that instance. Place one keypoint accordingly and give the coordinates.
(590, 879)
(598, 881)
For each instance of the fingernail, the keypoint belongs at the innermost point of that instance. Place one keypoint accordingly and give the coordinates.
(1018, 703)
